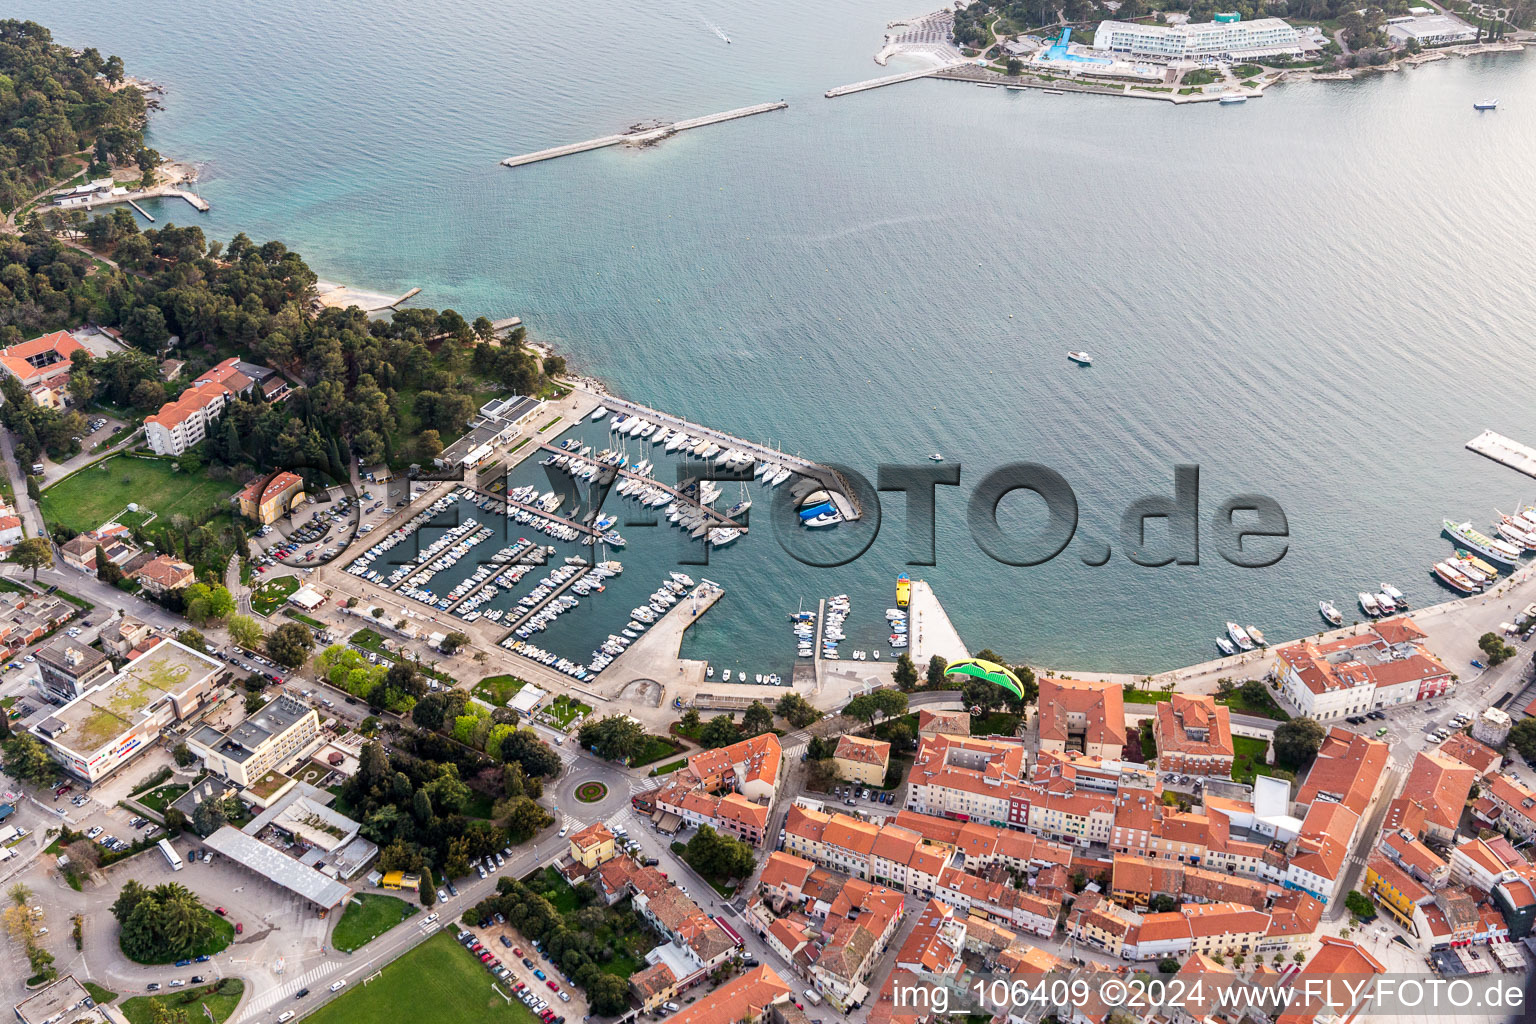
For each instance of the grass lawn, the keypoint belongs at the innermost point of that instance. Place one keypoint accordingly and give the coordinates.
(160, 799)
(655, 749)
(670, 767)
(1147, 696)
(101, 995)
(1248, 759)
(220, 1000)
(223, 935)
(440, 983)
(497, 690)
(85, 500)
(559, 892)
(272, 594)
(564, 710)
(368, 916)
(998, 723)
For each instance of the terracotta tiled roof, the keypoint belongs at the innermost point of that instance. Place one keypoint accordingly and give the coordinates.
(1440, 784)
(1470, 752)
(1347, 769)
(742, 998)
(40, 358)
(863, 751)
(1103, 705)
(1194, 724)
(594, 834)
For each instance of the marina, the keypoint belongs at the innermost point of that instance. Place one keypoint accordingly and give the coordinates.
(643, 134)
(841, 493)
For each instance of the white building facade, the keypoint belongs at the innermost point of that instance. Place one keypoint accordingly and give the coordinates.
(1212, 38)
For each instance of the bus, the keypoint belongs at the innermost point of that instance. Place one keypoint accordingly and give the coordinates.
(170, 854)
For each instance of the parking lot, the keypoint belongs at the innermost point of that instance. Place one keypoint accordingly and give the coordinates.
(99, 429)
(527, 974)
(321, 530)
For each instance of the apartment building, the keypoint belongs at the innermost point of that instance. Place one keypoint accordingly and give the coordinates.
(278, 733)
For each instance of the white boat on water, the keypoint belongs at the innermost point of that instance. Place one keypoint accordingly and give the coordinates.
(676, 441)
(1239, 636)
(1228, 101)
(1227, 646)
(825, 519)
(779, 477)
(1395, 594)
(1330, 613)
(599, 413)
(1368, 604)
(1080, 358)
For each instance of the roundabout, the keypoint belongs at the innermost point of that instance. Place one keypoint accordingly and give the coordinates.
(591, 792)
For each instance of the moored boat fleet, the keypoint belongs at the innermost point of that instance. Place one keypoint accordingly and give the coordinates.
(1480, 557)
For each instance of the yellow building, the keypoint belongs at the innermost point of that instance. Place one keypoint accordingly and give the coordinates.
(400, 880)
(1396, 891)
(861, 760)
(593, 845)
(265, 500)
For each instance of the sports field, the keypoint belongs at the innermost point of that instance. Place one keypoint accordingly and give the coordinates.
(438, 981)
(87, 499)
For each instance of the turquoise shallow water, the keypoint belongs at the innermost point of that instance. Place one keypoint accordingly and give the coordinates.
(1320, 296)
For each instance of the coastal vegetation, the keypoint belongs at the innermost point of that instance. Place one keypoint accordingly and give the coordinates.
(61, 113)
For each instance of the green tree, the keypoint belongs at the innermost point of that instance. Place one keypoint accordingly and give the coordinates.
(26, 758)
(614, 738)
(936, 666)
(183, 753)
(1297, 741)
(1359, 904)
(1168, 965)
(690, 719)
(718, 856)
(794, 709)
(906, 672)
(208, 817)
(245, 631)
(33, 553)
(289, 644)
(193, 639)
(719, 731)
(428, 888)
(526, 819)
(756, 720)
(452, 642)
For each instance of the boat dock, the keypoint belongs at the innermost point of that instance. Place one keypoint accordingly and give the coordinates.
(520, 550)
(654, 656)
(197, 202)
(141, 211)
(876, 83)
(552, 595)
(641, 135)
(1505, 451)
(830, 479)
(605, 468)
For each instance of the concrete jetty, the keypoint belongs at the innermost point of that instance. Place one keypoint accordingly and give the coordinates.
(196, 201)
(654, 655)
(876, 83)
(843, 497)
(141, 211)
(1505, 451)
(641, 135)
(929, 630)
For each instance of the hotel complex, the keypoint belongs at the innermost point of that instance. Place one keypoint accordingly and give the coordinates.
(1225, 37)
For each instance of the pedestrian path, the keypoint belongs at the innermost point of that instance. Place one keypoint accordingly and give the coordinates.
(792, 754)
(286, 990)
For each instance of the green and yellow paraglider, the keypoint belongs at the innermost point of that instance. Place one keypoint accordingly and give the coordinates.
(991, 671)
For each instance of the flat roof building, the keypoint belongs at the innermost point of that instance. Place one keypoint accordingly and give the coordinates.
(66, 1001)
(283, 730)
(105, 727)
(1211, 38)
(1433, 30)
(67, 668)
(278, 868)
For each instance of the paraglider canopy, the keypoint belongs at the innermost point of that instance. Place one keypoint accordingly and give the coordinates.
(991, 671)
